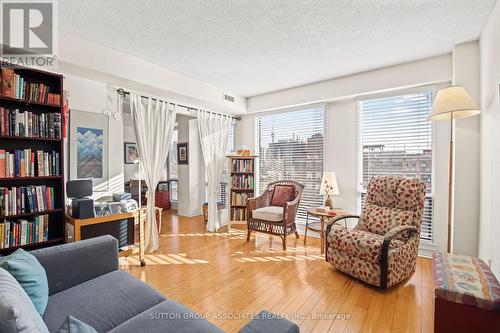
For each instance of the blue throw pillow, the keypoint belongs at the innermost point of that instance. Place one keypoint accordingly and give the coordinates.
(73, 325)
(26, 269)
(17, 312)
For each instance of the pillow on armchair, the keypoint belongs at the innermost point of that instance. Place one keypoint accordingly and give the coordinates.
(282, 194)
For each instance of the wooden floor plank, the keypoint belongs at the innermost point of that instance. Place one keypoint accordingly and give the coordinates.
(220, 274)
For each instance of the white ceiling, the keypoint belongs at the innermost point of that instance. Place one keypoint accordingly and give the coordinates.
(252, 47)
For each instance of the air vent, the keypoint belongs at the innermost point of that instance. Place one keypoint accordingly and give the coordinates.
(229, 98)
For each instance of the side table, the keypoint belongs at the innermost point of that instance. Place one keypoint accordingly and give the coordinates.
(320, 226)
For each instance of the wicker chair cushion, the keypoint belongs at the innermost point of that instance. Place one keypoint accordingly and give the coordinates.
(268, 213)
(282, 194)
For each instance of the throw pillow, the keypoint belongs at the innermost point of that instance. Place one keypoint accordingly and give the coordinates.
(26, 269)
(73, 325)
(17, 312)
(282, 194)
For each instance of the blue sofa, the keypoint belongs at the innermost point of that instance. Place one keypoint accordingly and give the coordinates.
(85, 282)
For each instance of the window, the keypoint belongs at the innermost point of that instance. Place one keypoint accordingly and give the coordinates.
(291, 147)
(397, 140)
(173, 168)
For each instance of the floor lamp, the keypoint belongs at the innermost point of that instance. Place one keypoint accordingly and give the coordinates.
(450, 104)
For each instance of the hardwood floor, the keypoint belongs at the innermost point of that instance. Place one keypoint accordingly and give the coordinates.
(224, 276)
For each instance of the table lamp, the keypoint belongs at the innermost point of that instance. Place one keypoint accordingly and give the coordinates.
(450, 104)
(329, 186)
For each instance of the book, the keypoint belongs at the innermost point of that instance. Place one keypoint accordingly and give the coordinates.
(8, 82)
(2, 163)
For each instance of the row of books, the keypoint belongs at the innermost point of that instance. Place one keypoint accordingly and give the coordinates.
(239, 199)
(14, 122)
(24, 232)
(242, 182)
(242, 165)
(238, 214)
(29, 163)
(26, 199)
(16, 86)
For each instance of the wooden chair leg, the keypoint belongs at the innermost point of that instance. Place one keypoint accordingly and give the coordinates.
(284, 242)
(248, 235)
(297, 234)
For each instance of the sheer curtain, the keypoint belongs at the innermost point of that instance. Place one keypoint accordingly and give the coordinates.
(154, 123)
(214, 131)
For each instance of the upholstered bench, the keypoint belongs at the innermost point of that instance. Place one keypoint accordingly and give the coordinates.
(467, 295)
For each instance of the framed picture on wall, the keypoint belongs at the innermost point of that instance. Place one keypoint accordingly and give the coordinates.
(88, 148)
(130, 152)
(182, 153)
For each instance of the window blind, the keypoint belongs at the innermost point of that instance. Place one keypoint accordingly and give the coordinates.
(397, 140)
(291, 147)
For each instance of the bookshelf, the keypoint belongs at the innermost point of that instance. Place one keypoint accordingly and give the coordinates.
(241, 186)
(31, 159)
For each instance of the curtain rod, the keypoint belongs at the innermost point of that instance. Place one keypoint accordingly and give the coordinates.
(124, 92)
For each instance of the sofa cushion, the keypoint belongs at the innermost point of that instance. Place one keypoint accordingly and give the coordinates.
(73, 325)
(103, 303)
(168, 316)
(268, 213)
(359, 243)
(26, 269)
(17, 312)
(282, 194)
(268, 322)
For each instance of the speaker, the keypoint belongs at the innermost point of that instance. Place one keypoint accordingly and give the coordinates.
(80, 188)
(82, 208)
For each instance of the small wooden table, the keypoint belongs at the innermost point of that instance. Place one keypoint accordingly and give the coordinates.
(320, 226)
(79, 223)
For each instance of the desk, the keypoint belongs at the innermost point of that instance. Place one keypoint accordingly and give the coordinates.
(130, 216)
(320, 226)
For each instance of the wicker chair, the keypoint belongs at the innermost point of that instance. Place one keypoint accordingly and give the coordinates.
(268, 214)
(382, 248)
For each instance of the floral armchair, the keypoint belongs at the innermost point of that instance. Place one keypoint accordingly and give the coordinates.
(274, 211)
(382, 248)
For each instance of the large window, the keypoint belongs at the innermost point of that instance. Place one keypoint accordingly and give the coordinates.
(397, 140)
(291, 147)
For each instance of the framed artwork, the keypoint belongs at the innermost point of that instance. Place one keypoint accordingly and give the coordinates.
(130, 152)
(182, 153)
(88, 148)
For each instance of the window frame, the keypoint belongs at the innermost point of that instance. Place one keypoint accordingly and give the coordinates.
(428, 246)
(323, 106)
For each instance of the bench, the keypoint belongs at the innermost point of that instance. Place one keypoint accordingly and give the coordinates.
(467, 295)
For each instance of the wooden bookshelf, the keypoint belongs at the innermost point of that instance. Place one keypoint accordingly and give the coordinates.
(10, 143)
(241, 186)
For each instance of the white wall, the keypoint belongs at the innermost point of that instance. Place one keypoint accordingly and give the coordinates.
(417, 73)
(97, 97)
(191, 180)
(342, 147)
(489, 247)
(467, 133)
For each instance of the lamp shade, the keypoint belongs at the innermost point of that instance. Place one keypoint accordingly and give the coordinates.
(453, 101)
(329, 183)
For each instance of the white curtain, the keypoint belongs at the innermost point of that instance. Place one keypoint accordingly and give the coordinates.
(214, 131)
(154, 124)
